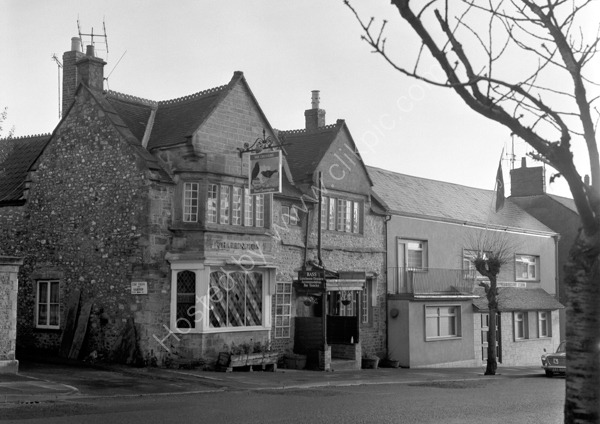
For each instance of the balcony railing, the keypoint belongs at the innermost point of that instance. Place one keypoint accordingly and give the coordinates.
(432, 281)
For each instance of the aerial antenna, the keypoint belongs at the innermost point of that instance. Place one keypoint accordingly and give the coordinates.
(113, 69)
(59, 67)
(103, 38)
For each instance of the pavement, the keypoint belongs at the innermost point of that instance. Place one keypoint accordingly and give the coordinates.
(43, 381)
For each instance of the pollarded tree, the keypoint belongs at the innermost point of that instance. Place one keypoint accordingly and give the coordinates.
(491, 250)
(526, 65)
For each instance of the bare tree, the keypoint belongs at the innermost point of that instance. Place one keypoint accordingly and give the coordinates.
(3, 116)
(491, 250)
(525, 64)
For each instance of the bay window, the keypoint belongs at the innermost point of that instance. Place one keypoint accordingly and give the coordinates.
(233, 205)
(210, 299)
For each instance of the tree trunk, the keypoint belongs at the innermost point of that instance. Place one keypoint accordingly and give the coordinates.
(492, 360)
(491, 294)
(582, 399)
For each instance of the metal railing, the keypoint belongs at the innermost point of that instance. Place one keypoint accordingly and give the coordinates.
(432, 281)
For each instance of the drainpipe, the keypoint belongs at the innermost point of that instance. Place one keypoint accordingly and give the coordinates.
(557, 268)
(306, 238)
(319, 220)
(387, 281)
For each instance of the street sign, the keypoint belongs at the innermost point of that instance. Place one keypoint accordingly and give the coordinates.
(317, 275)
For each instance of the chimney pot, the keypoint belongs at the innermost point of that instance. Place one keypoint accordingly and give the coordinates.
(315, 99)
(75, 44)
(89, 51)
(523, 162)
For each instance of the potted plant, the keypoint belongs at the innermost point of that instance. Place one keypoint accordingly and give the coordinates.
(295, 361)
(370, 361)
(388, 362)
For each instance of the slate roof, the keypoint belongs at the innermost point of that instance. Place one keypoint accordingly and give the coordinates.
(518, 299)
(134, 111)
(565, 201)
(178, 119)
(420, 197)
(16, 156)
(306, 148)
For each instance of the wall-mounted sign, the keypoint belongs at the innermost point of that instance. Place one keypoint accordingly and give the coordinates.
(235, 245)
(265, 172)
(139, 287)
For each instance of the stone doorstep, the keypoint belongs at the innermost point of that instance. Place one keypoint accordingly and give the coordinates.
(338, 364)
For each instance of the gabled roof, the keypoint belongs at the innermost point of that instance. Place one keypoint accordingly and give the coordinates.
(518, 299)
(16, 156)
(178, 119)
(438, 200)
(134, 111)
(565, 201)
(306, 148)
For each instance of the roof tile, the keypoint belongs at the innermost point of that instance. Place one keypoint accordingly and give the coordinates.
(16, 156)
(518, 299)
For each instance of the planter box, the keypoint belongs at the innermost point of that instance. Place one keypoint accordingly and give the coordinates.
(264, 359)
(368, 363)
(389, 363)
(296, 362)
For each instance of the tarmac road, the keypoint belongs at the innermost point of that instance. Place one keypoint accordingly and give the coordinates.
(526, 398)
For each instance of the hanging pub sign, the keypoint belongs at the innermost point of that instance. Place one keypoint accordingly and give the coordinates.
(265, 172)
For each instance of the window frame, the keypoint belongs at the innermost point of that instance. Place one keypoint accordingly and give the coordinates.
(470, 272)
(178, 318)
(50, 284)
(283, 320)
(520, 324)
(457, 321)
(289, 215)
(544, 323)
(203, 302)
(188, 216)
(342, 215)
(536, 267)
(223, 208)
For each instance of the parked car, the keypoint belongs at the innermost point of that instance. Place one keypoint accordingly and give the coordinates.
(555, 363)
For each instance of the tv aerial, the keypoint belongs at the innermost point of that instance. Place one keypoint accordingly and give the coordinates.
(94, 39)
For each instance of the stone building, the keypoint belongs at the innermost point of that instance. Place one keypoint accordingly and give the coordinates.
(142, 211)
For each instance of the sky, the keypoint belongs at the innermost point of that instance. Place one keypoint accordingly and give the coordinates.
(162, 50)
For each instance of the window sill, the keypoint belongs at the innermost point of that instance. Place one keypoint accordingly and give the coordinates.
(222, 228)
(47, 329)
(441, 339)
(218, 330)
(532, 339)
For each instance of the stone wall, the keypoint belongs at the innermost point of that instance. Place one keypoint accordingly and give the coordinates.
(9, 268)
(87, 226)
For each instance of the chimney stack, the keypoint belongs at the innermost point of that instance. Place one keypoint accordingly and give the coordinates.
(79, 67)
(314, 117)
(90, 70)
(70, 73)
(527, 181)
